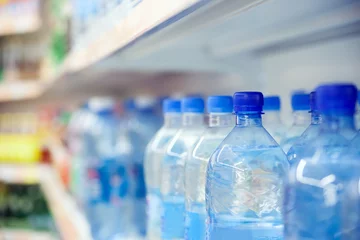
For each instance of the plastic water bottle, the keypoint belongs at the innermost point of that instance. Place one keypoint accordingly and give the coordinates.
(358, 112)
(245, 175)
(271, 119)
(322, 190)
(221, 122)
(154, 154)
(300, 103)
(173, 167)
(309, 134)
(76, 130)
(99, 151)
(143, 123)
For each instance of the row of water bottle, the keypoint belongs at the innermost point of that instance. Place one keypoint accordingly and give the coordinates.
(230, 178)
(107, 142)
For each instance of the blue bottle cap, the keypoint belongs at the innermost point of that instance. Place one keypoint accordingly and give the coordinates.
(336, 98)
(248, 102)
(272, 103)
(102, 105)
(129, 104)
(192, 105)
(220, 104)
(300, 101)
(171, 106)
(358, 97)
(85, 106)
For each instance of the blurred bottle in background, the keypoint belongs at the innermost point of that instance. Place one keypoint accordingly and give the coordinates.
(300, 103)
(143, 123)
(77, 128)
(108, 188)
(298, 148)
(245, 175)
(173, 167)
(271, 119)
(154, 154)
(221, 122)
(322, 187)
(358, 112)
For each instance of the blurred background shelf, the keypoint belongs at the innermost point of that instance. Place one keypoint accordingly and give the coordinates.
(9, 234)
(11, 23)
(69, 220)
(161, 47)
(20, 90)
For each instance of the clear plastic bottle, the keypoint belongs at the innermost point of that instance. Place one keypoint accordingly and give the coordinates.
(309, 134)
(221, 122)
(322, 190)
(173, 167)
(75, 138)
(358, 112)
(271, 119)
(245, 175)
(154, 154)
(143, 123)
(100, 147)
(300, 103)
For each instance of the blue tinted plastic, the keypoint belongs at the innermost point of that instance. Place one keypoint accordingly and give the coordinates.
(300, 101)
(322, 188)
(248, 102)
(172, 175)
(171, 105)
(272, 103)
(220, 125)
(192, 105)
(108, 181)
(244, 185)
(143, 123)
(220, 104)
(154, 154)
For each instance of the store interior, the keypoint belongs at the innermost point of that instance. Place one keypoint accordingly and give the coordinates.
(57, 56)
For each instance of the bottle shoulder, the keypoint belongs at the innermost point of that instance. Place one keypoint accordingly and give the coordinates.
(207, 143)
(250, 138)
(183, 140)
(318, 148)
(251, 148)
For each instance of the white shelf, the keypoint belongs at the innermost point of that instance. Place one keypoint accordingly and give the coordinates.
(69, 220)
(125, 24)
(20, 90)
(142, 47)
(10, 25)
(10, 234)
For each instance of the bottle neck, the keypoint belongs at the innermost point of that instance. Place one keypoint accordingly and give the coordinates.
(272, 117)
(221, 120)
(301, 117)
(172, 120)
(248, 119)
(338, 121)
(192, 119)
(316, 118)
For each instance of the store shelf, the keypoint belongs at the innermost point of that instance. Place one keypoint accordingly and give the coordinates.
(70, 221)
(19, 25)
(157, 41)
(208, 35)
(122, 28)
(10, 21)
(9, 234)
(20, 90)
